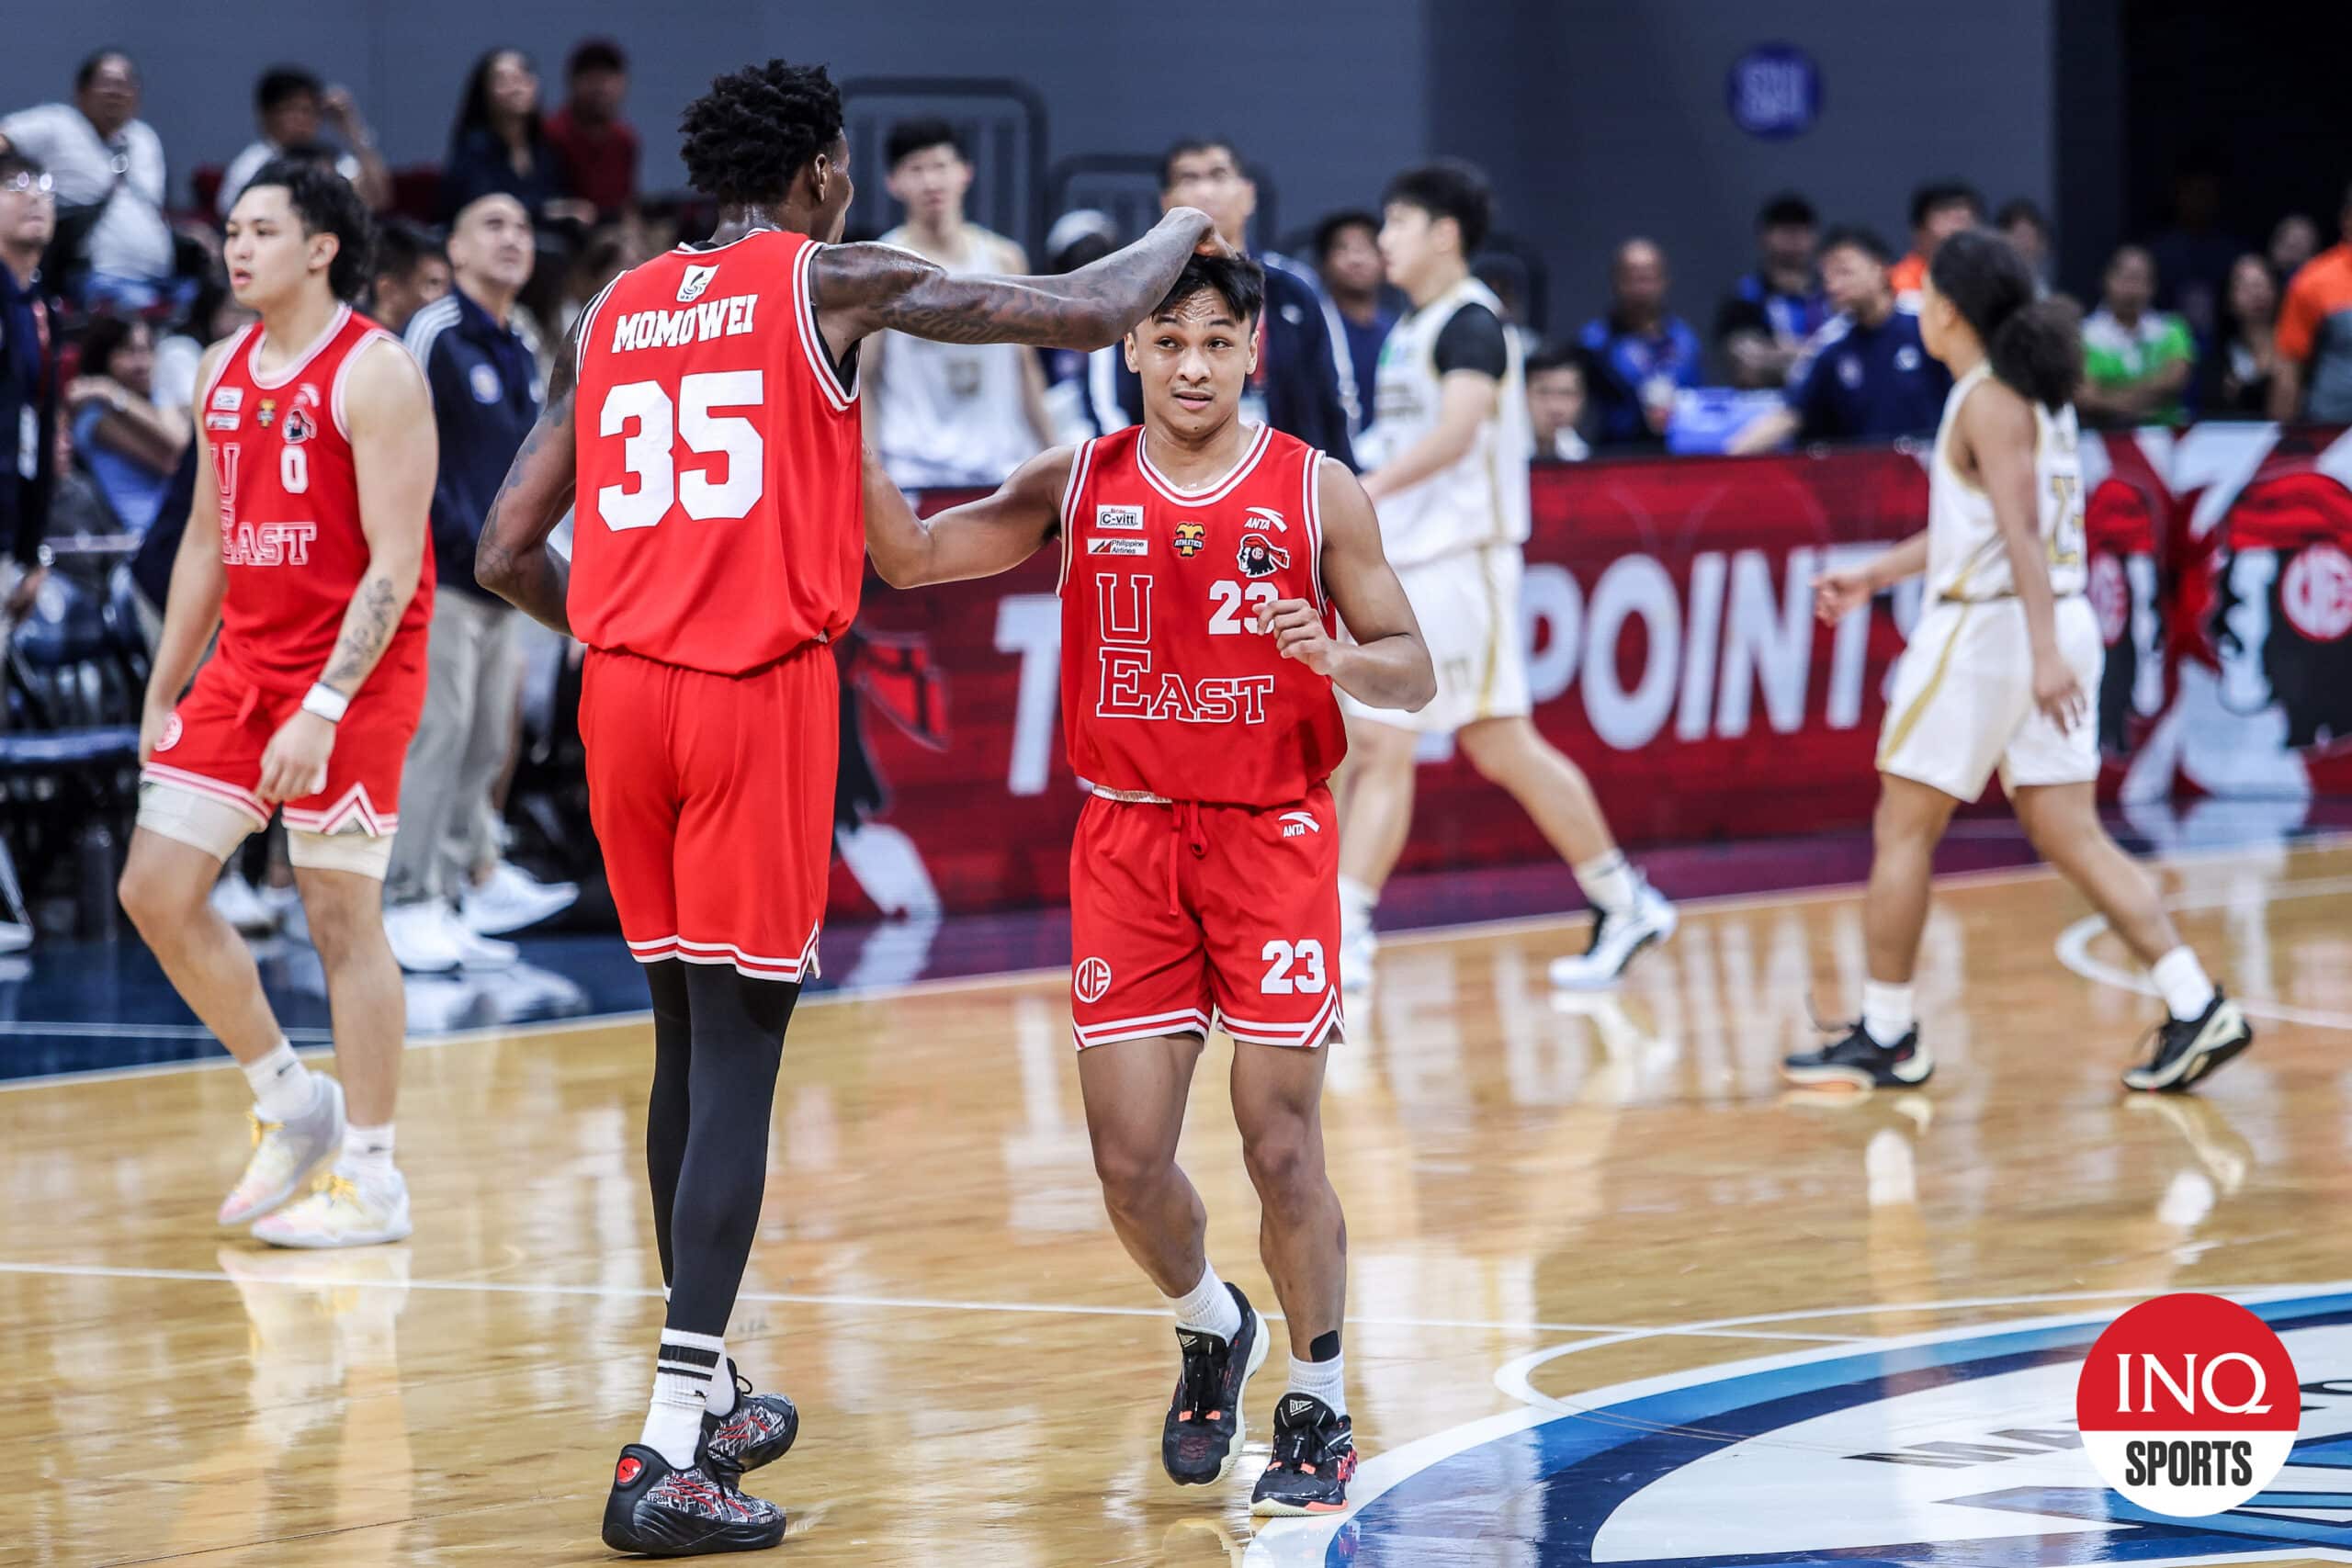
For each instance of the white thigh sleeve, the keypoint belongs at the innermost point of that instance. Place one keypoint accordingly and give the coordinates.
(363, 855)
(192, 817)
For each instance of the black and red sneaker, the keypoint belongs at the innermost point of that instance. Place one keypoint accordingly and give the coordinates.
(1202, 1434)
(1855, 1061)
(756, 1432)
(1315, 1458)
(663, 1512)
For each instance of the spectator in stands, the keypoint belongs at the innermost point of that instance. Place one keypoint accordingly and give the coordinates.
(130, 445)
(2136, 360)
(598, 146)
(1939, 210)
(2234, 378)
(1867, 377)
(2314, 378)
(292, 104)
(412, 271)
(107, 166)
(2294, 242)
(180, 356)
(1347, 258)
(27, 375)
(2028, 232)
(485, 399)
(499, 144)
(1297, 388)
(1640, 355)
(2192, 257)
(1762, 324)
(949, 415)
(1082, 395)
(1555, 403)
(605, 254)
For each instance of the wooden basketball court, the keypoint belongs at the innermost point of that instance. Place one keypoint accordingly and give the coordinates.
(1542, 1200)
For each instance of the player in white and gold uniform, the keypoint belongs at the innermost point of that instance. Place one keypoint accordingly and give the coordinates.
(1448, 452)
(2001, 673)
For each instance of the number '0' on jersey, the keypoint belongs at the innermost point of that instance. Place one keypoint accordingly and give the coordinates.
(1169, 688)
(718, 524)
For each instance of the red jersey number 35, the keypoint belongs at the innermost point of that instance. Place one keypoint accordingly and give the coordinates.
(652, 426)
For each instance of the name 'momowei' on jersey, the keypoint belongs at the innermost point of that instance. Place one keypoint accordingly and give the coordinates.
(1169, 688)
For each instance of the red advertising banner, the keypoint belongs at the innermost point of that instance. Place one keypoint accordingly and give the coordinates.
(1673, 653)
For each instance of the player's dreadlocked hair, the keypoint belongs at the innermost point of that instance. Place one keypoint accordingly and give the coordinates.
(750, 136)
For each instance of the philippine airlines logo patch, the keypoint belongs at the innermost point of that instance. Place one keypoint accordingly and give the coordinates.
(2188, 1406)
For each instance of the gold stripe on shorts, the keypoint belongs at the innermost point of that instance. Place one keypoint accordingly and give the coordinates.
(1909, 719)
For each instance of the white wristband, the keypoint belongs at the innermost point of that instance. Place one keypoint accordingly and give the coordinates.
(326, 702)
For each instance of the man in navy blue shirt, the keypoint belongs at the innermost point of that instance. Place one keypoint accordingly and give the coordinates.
(27, 373)
(1640, 355)
(1347, 260)
(1865, 376)
(485, 399)
(1297, 387)
(1762, 324)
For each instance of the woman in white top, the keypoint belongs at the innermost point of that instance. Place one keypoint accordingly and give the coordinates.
(2002, 671)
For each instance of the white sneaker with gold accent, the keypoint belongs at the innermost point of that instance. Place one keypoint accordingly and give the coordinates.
(342, 1210)
(287, 1154)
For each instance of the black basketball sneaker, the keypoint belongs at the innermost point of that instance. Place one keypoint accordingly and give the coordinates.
(2188, 1049)
(1315, 1458)
(1858, 1062)
(1202, 1434)
(756, 1432)
(663, 1512)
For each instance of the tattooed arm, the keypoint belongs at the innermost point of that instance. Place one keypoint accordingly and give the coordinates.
(860, 289)
(396, 452)
(511, 558)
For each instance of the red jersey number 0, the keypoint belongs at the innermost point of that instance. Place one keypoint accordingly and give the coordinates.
(647, 452)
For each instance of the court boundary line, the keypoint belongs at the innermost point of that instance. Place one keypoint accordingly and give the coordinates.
(2073, 948)
(327, 1280)
(1016, 978)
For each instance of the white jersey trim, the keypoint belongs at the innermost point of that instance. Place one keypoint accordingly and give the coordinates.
(302, 360)
(425, 328)
(1217, 493)
(804, 312)
(1311, 508)
(1081, 463)
(343, 375)
(588, 326)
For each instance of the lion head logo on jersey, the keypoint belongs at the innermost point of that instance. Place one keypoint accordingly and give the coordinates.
(1189, 538)
(1260, 556)
(300, 425)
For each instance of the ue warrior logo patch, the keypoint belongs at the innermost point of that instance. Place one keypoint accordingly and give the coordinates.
(300, 425)
(1260, 556)
(1189, 538)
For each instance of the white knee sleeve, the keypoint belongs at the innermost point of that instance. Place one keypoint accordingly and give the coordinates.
(192, 817)
(362, 854)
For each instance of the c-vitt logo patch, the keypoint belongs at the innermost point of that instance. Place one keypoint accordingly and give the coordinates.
(2188, 1405)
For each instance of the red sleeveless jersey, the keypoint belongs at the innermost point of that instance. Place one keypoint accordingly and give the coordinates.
(1167, 686)
(718, 524)
(289, 512)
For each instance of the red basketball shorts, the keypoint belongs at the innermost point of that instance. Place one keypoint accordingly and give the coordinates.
(214, 740)
(712, 797)
(1187, 917)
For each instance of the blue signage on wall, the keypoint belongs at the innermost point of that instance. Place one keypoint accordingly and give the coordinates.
(1774, 91)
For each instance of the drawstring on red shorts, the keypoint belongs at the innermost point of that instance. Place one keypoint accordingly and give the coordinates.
(1185, 822)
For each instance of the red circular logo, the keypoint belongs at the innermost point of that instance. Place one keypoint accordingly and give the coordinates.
(1092, 980)
(629, 1469)
(171, 736)
(2188, 1404)
(2316, 593)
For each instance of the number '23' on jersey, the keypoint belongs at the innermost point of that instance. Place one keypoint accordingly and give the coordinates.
(718, 524)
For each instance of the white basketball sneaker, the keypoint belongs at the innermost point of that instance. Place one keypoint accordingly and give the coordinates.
(342, 1210)
(1616, 940)
(287, 1154)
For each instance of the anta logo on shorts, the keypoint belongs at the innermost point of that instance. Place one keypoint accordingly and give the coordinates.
(267, 544)
(1260, 556)
(1961, 1444)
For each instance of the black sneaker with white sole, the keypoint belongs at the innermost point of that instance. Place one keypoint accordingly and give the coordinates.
(1202, 1434)
(1315, 1458)
(2189, 1049)
(663, 1512)
(1858, 1062)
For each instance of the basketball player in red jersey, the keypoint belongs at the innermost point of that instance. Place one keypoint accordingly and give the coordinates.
(307, 546)
(707, 421)
(1198, 661)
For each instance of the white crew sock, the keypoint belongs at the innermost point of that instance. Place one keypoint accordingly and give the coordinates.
(367, 1151)
(1357, 900)
(1609, 882)
(722, 1389)
(2187, 991)
(1208, 1307)
(281, 1084)
(682, 1378)
(1888, 1012)
(1327, 1380)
